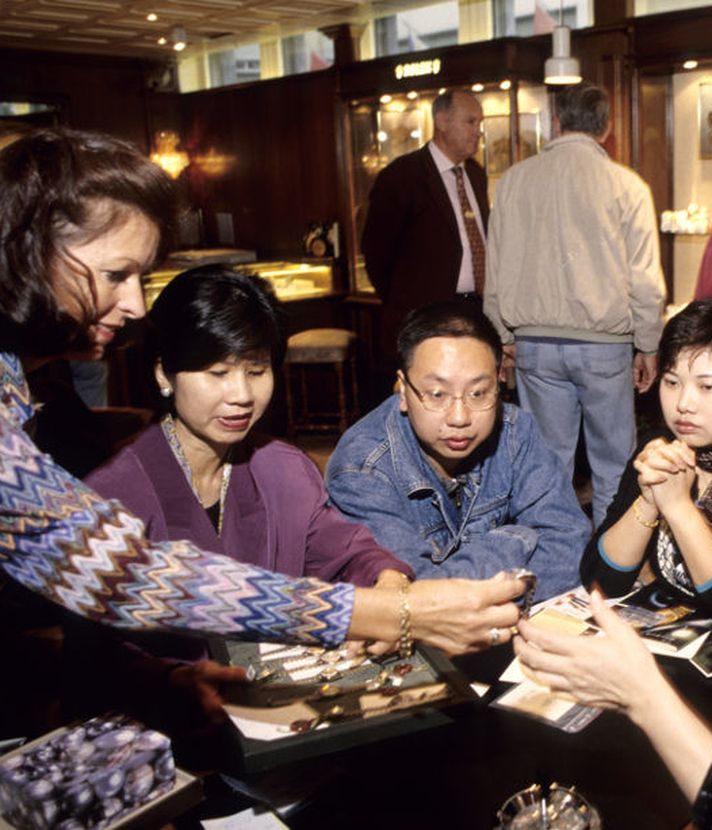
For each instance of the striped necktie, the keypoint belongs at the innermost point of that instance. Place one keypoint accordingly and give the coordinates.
(477, 245)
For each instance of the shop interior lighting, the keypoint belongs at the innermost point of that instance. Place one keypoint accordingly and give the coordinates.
(478, 87)
(690, 64)
(152, 17)
(442, 90)
(561, 68)
(162, 41)
(382, 136)
(385, 99)
(505, 85)
(179, 38)
(412, 95)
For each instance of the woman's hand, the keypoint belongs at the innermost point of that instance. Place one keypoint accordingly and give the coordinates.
(659, 460)
(461, 615)
(199, 687)
(614, 670)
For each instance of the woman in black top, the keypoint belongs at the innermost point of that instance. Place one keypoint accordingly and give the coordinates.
(663, 509)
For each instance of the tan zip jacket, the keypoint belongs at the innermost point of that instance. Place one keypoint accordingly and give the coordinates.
(572, 249)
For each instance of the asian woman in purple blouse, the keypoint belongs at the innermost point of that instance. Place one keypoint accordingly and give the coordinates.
(203, 474)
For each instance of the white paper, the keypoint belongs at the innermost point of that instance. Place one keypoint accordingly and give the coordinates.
(246, 820)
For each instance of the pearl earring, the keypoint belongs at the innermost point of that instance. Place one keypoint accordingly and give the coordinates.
(166, 391)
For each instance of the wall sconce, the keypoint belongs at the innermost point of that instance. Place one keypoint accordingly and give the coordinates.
(167, 155)
(561, 68)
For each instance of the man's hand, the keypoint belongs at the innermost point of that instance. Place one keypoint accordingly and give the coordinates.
(645, 370)
(509, 356)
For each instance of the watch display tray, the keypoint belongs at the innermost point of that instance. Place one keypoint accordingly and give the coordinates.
(302, 702)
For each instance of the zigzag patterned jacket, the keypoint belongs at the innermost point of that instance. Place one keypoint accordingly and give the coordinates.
(61, 540)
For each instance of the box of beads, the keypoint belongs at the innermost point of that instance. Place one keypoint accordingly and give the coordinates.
(88, 775)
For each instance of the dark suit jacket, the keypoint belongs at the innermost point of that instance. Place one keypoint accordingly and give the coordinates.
(410, 242)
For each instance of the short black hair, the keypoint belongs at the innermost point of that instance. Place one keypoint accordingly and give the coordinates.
(51, 183)
(582, 108)
(690, 328)
(450, 318)
(207, 314)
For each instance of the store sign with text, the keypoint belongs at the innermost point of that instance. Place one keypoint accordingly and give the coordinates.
(418, 68)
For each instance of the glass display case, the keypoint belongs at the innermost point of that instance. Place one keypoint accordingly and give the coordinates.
(295, 280)
(515, 127)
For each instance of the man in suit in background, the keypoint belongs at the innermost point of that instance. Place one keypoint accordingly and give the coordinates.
(424, 238)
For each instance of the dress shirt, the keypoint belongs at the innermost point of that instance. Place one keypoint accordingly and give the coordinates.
(465, 280)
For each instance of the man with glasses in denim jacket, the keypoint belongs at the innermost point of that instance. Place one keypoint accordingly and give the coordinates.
(450, 478)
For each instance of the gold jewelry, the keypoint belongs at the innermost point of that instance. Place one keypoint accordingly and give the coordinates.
(169, 430)
(636, 512)
(405, 640)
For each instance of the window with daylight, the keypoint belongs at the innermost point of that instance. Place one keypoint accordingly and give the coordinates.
(235, 66)
(523, 18)
(306, 52)
(410, 31)
(643, 7)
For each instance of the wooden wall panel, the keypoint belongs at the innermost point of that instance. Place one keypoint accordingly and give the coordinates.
(97, 93)
(280, 140)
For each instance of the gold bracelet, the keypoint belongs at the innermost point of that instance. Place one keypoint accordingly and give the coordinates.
(405, 640)
(640, 519)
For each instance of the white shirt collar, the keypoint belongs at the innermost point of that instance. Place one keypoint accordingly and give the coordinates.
(442, 162)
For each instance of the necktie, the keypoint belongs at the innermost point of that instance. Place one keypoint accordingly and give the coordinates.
(477, 245)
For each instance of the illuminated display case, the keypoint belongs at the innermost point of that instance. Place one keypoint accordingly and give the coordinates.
(516, 125)
(295, 280)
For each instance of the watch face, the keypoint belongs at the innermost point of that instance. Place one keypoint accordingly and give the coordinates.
(318, 246)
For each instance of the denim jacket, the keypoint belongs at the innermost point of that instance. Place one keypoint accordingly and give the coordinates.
(518, 509)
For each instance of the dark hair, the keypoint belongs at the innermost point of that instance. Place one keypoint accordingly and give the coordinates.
(210, 313)
(451, 318)
(51, 182)
(582, 108)
(690, 328)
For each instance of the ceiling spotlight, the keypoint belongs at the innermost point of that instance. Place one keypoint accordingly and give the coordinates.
(179, 38)
(385, 99)
(152, 17)
(161, 41)
(478, 87)
(505, 85)
(412, 96)
(690, 65)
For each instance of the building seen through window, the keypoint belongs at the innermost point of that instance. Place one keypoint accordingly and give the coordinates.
(235, 66)
(306, 52)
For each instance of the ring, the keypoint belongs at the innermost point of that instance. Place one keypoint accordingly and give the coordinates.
(494, 636)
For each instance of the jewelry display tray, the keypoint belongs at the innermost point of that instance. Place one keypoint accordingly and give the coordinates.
(431, 669)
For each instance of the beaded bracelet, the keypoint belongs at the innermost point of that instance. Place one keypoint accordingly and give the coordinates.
(405, 640)
(640, 519)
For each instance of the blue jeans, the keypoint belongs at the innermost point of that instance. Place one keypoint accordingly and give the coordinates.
(561, 383)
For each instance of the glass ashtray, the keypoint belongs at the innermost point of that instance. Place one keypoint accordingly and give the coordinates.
(561, 808)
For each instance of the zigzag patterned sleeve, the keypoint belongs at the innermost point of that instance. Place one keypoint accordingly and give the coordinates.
(60, 539)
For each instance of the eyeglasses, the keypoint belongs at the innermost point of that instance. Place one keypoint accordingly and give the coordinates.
(476, 400)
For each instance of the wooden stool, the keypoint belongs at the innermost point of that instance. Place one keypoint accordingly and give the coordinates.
(327, 346)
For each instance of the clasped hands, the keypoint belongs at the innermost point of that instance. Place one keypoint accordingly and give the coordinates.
(666, 474)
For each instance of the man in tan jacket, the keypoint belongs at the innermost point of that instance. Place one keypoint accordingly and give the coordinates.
(574, 280)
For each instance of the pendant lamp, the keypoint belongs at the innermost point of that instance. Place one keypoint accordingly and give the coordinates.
(561, 68)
